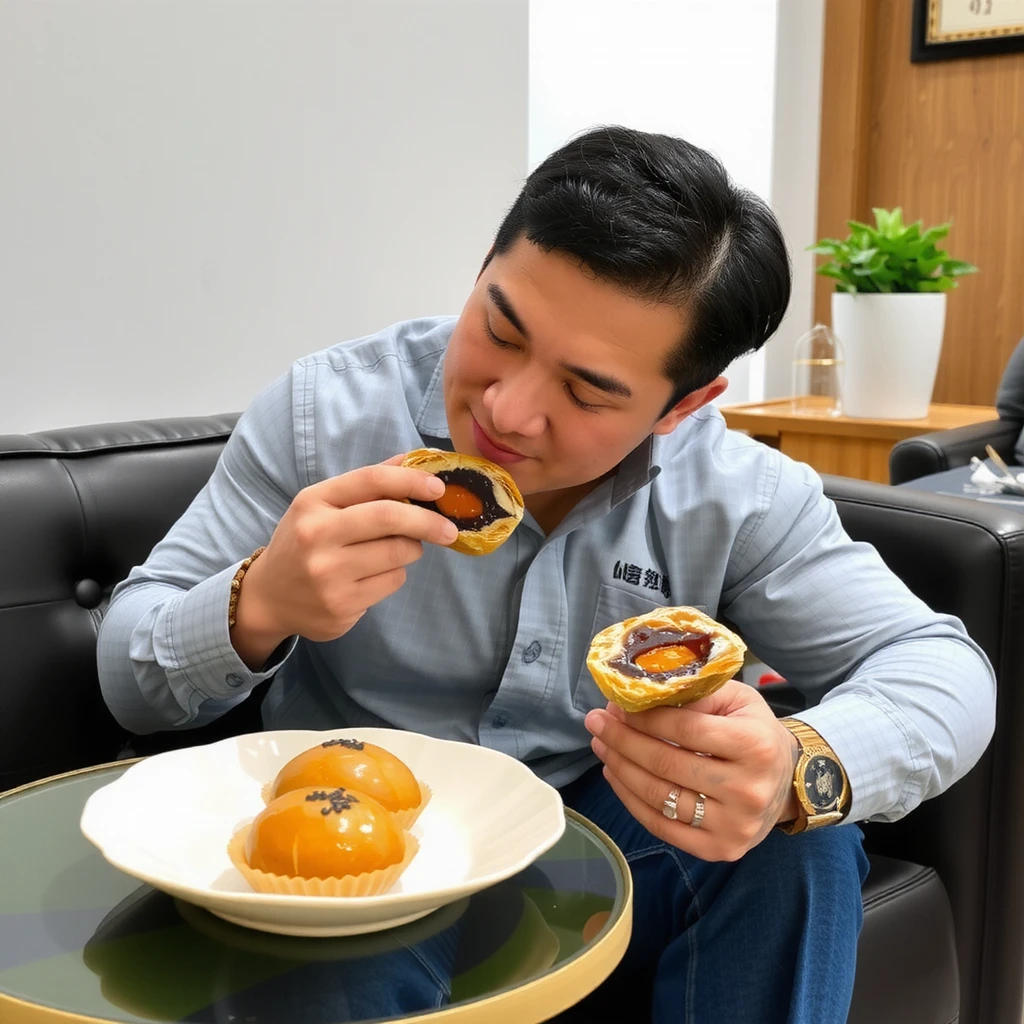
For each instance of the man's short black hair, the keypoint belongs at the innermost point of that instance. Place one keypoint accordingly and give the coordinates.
(660, 217)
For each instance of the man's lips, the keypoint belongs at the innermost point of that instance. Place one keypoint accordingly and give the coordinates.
(491, 449)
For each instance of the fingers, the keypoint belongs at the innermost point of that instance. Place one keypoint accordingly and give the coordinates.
(371, 502)
(711, 733)
(372, 558)
(371, 589)
(732, 697)
(651, 761)
(686, 729)
(747, 792)
(373, 520)
(371, 483)
(653, 790)
(678, 833)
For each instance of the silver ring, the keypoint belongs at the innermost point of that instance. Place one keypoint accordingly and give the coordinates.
(698, 811)
(668, 805)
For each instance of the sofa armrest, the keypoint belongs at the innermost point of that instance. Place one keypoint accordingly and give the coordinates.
(940, 450)
(965, 558)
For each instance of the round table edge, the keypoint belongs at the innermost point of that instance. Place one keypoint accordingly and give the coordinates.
(536, 1001)
(88, 770)
(550, 994)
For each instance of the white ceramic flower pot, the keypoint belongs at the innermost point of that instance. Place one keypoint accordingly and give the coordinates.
(891, 345)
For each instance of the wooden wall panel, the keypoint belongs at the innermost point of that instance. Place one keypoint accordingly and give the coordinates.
(946, 142)
(845, 124)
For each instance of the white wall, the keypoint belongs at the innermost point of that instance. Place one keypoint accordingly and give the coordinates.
(193, 192)
(727, 76)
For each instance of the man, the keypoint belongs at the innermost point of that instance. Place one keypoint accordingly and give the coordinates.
(628, 274)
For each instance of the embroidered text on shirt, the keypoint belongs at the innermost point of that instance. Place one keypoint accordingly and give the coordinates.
(640, 577)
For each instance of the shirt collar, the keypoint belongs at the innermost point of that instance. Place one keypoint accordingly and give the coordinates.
(432, 420)
(635, 471)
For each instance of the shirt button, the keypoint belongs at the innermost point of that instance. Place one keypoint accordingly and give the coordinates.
(499, 722)
(234, 680)
(532, 653)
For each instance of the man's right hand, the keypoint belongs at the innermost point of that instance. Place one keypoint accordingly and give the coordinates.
(342, 546)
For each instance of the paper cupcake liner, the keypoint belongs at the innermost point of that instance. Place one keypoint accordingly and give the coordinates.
(404, 818)
(369, 883)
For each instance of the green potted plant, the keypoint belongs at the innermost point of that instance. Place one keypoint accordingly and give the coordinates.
(889, 312)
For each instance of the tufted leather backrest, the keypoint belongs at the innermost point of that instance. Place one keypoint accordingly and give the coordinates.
(78, 508)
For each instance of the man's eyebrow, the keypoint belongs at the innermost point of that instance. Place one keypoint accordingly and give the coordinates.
(610, 384)
(500, 299)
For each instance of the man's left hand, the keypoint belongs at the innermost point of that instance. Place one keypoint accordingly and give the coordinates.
(728, 746)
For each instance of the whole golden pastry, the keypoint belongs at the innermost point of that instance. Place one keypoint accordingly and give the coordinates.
(316, 833)
(667, 656)
(363, 768)
(480, 498)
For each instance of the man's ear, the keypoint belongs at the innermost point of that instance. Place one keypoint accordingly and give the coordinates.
(688, 404)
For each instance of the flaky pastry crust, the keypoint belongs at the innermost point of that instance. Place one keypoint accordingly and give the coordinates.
(637, 693)
(506, 496)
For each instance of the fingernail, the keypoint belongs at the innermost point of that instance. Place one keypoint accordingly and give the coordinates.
(435, 486)
(615, 711)
(598, 747)
(594, 722)
(449, 532)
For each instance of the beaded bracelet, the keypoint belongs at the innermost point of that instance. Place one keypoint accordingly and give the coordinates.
(236, 583)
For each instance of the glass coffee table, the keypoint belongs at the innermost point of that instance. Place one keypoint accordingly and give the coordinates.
(81, 941)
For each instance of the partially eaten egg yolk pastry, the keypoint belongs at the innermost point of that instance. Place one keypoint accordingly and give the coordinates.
(669, 656)
(480, 498)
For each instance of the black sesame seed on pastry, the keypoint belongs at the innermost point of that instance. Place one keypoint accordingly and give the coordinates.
(667, 656)
(480, 498)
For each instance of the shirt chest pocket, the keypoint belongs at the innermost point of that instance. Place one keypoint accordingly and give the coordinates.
(613, 605)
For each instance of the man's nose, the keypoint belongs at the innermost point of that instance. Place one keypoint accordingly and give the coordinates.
(516, 405)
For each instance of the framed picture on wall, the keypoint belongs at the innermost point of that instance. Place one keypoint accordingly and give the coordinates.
(950, 29)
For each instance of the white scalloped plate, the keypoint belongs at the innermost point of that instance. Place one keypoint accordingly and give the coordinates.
(167, 821)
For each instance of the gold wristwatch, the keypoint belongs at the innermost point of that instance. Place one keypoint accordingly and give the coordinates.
(821, 787)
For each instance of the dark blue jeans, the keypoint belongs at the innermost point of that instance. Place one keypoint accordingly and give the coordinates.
(771, 938)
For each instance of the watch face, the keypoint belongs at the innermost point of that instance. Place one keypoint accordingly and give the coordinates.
(823, 784)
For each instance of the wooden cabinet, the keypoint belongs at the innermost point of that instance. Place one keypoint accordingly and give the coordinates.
(841, 444)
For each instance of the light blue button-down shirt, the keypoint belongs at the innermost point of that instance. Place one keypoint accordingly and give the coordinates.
(492, 650)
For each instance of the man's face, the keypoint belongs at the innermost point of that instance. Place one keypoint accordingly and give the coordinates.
(556, 374)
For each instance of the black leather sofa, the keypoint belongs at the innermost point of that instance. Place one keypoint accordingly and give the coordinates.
(943, 938)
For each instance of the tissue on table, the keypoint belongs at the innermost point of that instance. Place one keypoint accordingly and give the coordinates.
(988, 482)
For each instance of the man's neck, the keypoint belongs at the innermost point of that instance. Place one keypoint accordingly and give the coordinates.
(549, 508)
